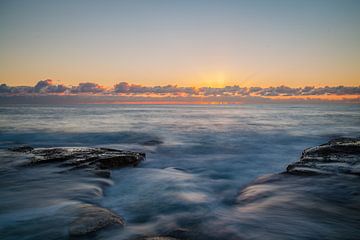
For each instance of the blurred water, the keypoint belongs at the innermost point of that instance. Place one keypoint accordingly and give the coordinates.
(201, 158)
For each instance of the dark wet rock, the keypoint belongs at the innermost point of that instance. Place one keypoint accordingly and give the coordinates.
(327, 198)
(91, 219)
(158, 238)
(338, 156)
(99, 161)
(83, 157)
(23, 149)
(152, 142)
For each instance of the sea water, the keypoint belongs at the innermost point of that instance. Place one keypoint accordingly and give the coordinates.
(199, 158)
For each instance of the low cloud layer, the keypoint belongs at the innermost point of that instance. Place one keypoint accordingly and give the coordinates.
(49, 88)
(88, 88)
(126, 88)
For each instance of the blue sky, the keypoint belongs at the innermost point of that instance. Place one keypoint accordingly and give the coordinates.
(188, 43)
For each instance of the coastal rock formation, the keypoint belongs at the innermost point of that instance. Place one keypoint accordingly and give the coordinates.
(83, 157)
(158, 238)
(338, 156)
(153, 142)
(320, 191)
(89, 218)
(23, 149)
(92, 218)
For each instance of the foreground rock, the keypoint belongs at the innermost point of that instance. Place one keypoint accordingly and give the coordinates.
(158, 238)
(83, 157)
(339, 156)
(320, 193)
(91, 218)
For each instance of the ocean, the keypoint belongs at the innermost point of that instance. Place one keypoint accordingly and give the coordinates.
(198, 159)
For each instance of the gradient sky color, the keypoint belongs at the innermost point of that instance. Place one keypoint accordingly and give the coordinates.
(185, 42)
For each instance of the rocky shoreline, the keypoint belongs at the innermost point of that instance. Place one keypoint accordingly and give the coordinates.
(338, 156)
(322, 189)
(99, 161)
(321, 169)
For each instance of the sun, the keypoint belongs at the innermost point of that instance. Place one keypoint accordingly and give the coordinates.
(216, 79)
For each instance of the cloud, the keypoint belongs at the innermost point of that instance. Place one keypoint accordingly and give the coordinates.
(278, 91)
(21, 90)
(339, 90)
(5, 88)
(47, 86)
(87, 88)
(126, 88)
(41, 87)
(134, 92)
(305, 91)
(228, 90)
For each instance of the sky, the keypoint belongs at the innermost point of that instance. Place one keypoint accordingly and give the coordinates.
(92, 46)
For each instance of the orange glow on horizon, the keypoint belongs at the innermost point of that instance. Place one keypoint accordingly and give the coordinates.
(201, 100)
(320, 97)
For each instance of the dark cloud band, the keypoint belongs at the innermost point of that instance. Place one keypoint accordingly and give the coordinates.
(47, 87)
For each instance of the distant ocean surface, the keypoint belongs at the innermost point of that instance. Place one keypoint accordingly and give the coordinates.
(198, 159)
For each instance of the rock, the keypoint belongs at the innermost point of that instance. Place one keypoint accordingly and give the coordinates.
(23, 149)
(83, 157)
(98, 161)
(152, 142)
(92, 218)
(338, 156)
(158, 238)
(320, 193)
